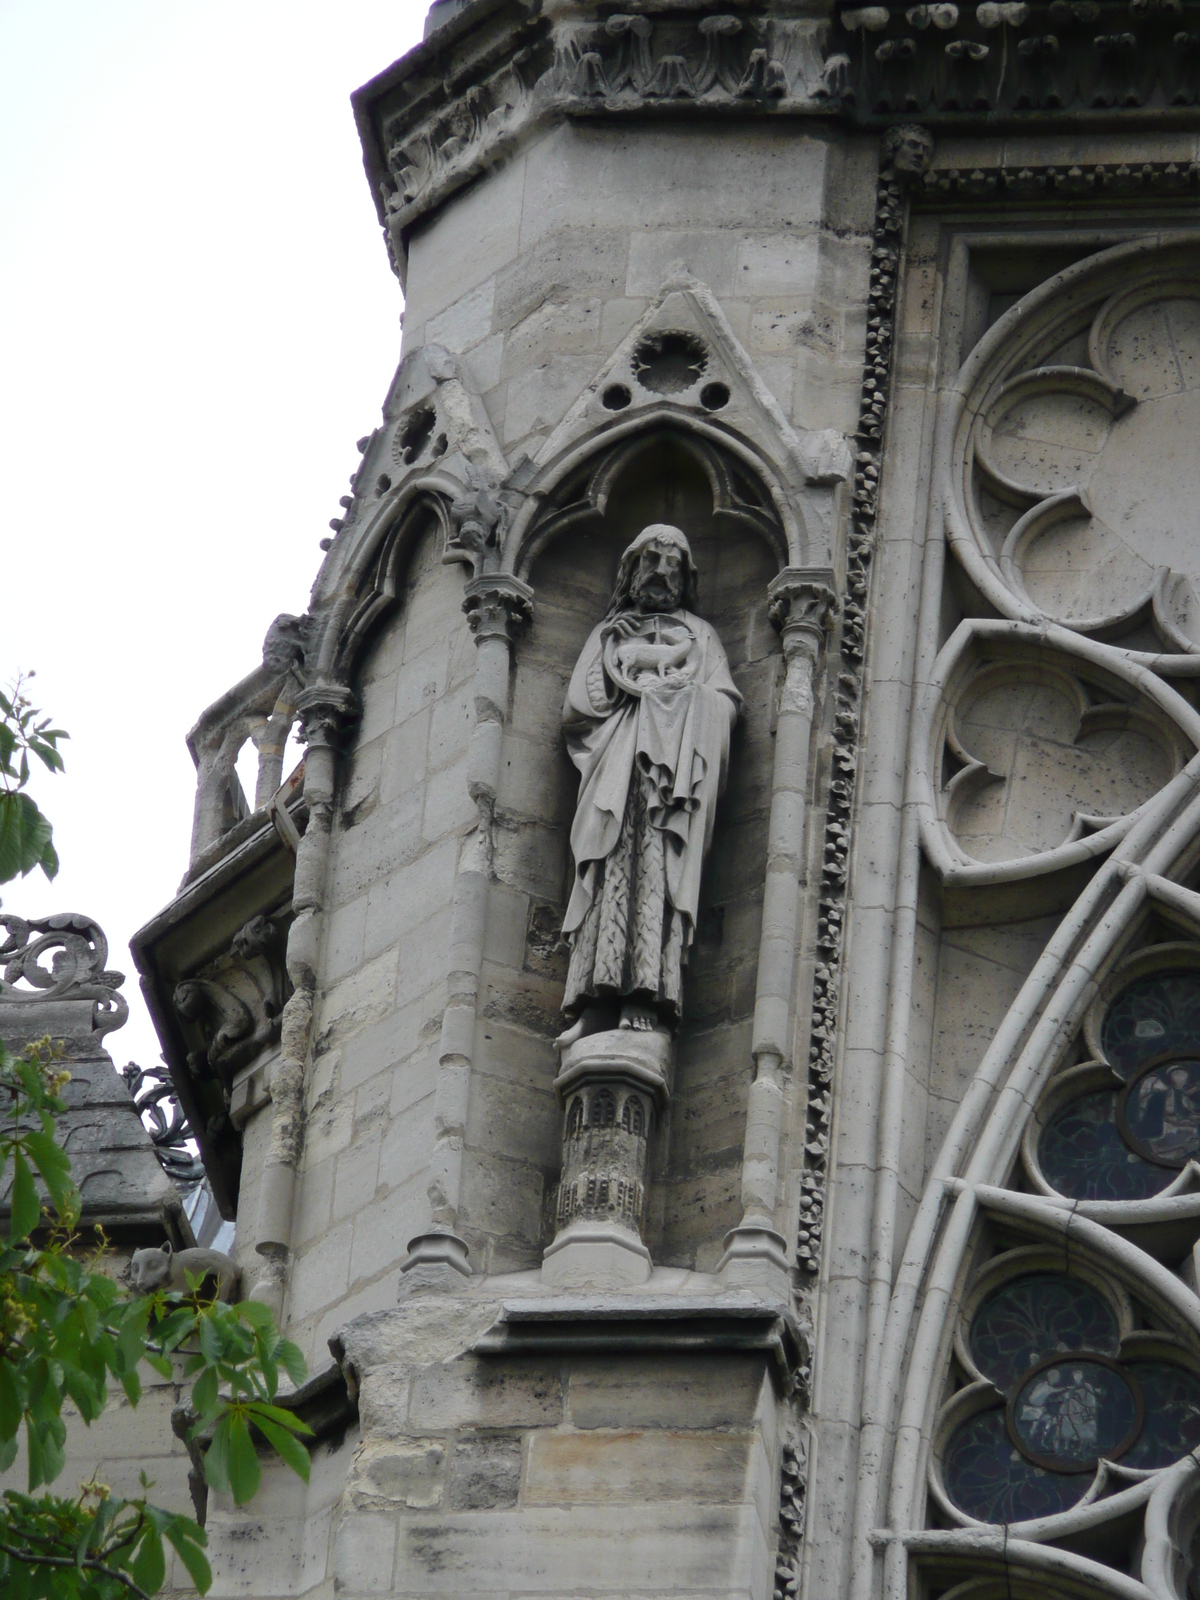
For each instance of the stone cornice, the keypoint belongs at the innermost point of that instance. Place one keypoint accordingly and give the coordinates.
(482, 84)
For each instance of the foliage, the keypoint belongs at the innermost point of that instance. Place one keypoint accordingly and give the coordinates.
(68, 1328)
(26, 837)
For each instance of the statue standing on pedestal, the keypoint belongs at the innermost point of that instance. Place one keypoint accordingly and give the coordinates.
(648, 715)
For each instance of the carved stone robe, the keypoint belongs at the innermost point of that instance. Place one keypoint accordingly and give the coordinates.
(648, 715)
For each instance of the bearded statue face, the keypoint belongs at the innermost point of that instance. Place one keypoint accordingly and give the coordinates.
(658, 578)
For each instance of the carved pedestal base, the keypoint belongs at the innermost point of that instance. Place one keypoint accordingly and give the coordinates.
(755, 1258)
(436, 1262)
(596, 1255)
(613, 1086)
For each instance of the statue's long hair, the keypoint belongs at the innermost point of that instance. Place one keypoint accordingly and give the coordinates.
(656, 533)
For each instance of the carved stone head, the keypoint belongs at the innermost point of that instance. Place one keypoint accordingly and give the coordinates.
(907, 149)
(656, 573)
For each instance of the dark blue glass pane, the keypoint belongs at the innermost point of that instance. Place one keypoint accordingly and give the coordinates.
(1070, 1414)
(1162, 1112)
(1153, 1015)
(1035, 1317)
(988, 1478)
(1083, 1155)
(1171, 1396)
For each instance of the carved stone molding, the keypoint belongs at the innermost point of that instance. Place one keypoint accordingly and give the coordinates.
(470, 93)
(952, 62)
(877, 370)
(497, 606)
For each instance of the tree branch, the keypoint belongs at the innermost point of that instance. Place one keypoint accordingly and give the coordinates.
(28, 1558)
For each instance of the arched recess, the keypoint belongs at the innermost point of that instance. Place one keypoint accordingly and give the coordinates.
(569, 555)
(400, 640)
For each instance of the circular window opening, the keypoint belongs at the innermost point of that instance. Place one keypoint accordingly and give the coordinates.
(616, 397)
(414, 435)
(384, 484)
(669, 363)
(714, 396)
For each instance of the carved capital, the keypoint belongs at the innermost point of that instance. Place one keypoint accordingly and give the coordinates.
(497, 606)
(326, 712)
(802, 603)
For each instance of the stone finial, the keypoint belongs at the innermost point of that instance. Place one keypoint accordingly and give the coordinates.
(497, 605)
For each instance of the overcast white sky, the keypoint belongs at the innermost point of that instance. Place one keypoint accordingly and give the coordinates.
(197, 321)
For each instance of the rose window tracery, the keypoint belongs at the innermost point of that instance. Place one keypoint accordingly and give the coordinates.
(1064, 1386)
(1075, 476)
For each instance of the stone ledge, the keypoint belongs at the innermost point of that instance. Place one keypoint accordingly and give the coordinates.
(610, 1324)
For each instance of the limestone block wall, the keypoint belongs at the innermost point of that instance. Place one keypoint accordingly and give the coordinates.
(535, 276)
(648, 1474)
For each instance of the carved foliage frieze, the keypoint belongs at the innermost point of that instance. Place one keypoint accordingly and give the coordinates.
(848, 679)
(953, 60)
(624, 61)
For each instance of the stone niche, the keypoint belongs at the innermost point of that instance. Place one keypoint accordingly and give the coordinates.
(695, 1161)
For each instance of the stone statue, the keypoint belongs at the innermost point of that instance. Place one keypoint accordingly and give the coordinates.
(168, 1269)
(648, 715)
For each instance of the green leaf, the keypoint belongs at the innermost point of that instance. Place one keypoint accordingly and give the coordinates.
(8, 1453)
(211, 1345)
(244, 1470)
(54, 1164)
(25, 836)
(24, 1200)
(158, 1364)
(288, 1448)
(132, 1385)
(291, 1359)
(188, 1541)
(204, 1393)
(285, 1419)
(216, 1457)
(10, 1402)
(256, 1314)
(148, 1568)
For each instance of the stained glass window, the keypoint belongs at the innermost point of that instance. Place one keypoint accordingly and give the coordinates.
(1171, 1396)
(1082, 1153)
(1044, 1314)
(1050, 1343)
(1068, 1413)
(1155, 1016)
(990, 1479)
(1159, 1111)
(1125, 1144)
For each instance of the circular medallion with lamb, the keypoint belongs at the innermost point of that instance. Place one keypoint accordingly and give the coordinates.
(1075, 473)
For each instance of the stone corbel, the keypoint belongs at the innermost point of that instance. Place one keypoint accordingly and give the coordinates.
(802, 603)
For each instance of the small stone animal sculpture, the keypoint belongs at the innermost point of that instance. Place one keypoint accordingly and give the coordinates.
(639, 656)
(168, 1269)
